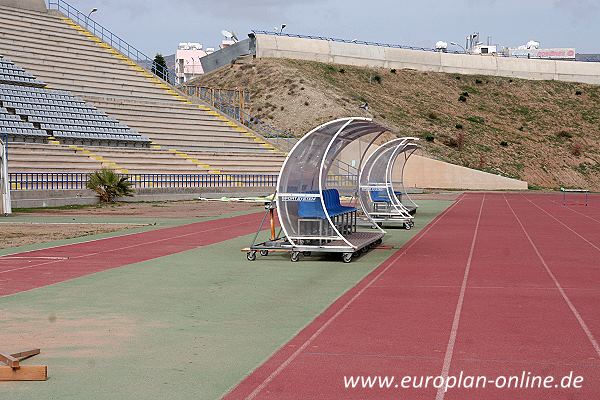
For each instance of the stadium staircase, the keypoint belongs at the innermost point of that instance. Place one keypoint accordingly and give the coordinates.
(179, 136)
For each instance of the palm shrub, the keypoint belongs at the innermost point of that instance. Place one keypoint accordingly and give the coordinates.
(108, 184)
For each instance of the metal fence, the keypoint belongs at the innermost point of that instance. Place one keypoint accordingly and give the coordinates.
(73, 180)
(78, 181)
(230, 102)
(113, 40)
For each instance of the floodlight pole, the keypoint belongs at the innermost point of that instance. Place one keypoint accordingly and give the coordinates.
(87, 19)
(458, 45)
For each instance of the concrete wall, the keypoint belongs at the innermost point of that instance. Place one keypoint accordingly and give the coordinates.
(226, 56)
(423, 172)
(386, 57)
(34, 5)
(427, 173)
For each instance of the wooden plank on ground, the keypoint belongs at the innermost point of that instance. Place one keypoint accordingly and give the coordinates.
(24, 373)
(9, 360)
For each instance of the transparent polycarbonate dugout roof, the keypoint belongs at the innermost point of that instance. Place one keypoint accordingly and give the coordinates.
(379, 194)
(304, 190)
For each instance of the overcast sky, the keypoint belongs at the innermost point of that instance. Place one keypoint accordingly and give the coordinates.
(159, 25)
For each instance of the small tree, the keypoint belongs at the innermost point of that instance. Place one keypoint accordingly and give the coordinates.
(159, 66)
(108, 185)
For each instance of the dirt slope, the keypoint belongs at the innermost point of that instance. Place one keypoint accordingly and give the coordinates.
(545, 132)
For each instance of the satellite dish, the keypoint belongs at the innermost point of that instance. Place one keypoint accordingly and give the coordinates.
(229, 35)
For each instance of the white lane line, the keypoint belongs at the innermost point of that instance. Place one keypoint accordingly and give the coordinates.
(32, 258)
(123, 248)
(582, 323)
(459, 305)
(72, 223)
(110, 236)
(562, 223)
(308, 341)
(575, 211)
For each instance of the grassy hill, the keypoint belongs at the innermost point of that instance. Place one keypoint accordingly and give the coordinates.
(545, 132)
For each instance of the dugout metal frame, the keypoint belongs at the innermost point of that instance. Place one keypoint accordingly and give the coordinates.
(310, 213)
(379, 195)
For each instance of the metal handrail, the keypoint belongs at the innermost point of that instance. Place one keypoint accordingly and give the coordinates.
(78, 180)
(113, 40)
(400, 46)
(231, 102)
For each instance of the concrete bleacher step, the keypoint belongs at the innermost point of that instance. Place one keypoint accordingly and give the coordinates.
(30, 157)
(67, 57)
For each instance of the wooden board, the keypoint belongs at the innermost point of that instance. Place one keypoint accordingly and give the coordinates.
(24, 373)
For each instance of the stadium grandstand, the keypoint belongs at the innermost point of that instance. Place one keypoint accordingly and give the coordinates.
(71, 103)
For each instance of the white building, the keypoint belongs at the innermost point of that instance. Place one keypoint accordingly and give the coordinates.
(187, 61)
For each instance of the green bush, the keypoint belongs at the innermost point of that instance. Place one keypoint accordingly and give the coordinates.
(430, 137)
(564, 135)
(108, 184)
(462, 98)
(476, 119)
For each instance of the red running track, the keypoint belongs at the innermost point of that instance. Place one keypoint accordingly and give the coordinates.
(33, 269)
(498, 285)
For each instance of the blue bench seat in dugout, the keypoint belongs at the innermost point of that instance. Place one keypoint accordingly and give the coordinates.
(314, 209)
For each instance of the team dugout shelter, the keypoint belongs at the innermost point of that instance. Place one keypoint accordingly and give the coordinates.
(383, 198)
(311, 213)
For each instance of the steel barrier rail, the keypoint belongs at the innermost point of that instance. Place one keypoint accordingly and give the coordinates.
(74, 180)
(231, 102)
(78, 180)
(113, 40)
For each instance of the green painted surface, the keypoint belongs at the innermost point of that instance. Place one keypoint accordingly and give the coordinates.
(186, 326)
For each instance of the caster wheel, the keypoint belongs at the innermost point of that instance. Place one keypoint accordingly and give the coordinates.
(407, 226)
(264, 253)
(365, 250)
(306, 253)
(251, 255)
(347, 257)
(295, 256)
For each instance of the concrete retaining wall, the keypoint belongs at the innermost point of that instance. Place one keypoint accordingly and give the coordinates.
(423, 172)
(387, 57)
(227, 55)
(427, 173)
